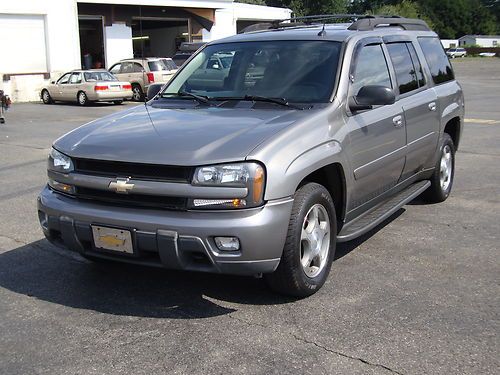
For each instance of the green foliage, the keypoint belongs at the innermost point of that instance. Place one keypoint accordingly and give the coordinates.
(255, 2)
(405, 8)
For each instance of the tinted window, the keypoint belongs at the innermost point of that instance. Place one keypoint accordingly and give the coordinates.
(127, 67)
(403, 67)
(437, 60)
(371, 69)
(416, 64)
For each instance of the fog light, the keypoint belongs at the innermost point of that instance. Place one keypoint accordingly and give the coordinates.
(227, 243)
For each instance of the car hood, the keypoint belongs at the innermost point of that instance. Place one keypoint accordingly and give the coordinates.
(193, 136)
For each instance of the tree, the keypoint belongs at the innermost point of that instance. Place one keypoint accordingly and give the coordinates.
(405, 8)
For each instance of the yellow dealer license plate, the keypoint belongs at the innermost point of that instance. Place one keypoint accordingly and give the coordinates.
(119, 240)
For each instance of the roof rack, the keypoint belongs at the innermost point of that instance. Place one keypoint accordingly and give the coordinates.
(367, 23)
(359, 22)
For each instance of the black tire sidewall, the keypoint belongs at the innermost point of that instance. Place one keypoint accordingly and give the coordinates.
(441, 194)
(137, 88)
(49, 99)
(78, 98)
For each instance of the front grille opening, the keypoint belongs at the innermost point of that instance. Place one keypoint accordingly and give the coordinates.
(132, 200)
(154, 172)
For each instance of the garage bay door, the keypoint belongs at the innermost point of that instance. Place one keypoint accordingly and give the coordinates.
(22, 43)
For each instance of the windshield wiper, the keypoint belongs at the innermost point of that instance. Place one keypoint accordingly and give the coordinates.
(258, 98)
(199, 98)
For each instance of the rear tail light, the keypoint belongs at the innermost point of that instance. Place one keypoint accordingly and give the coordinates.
(151, 77)
(101, 87)
(127, 87)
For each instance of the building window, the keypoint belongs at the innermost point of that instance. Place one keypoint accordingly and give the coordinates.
(495, 43)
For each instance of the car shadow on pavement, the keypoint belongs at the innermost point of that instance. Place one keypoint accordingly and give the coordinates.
(44, 272)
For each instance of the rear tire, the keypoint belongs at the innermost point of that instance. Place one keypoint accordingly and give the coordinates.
(310, 244)
(82, 98)
(46, 98)
(137, 94)
(444, 172)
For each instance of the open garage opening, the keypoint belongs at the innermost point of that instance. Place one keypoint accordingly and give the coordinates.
(91, 42)
(158, 37)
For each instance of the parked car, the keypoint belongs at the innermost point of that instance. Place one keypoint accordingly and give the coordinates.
(186, 50)
(142, 72)
(262, 174)
(85, 86)
(456, 52)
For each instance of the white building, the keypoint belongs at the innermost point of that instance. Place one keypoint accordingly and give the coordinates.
(480, 40)
(449, 43)
(41, 39)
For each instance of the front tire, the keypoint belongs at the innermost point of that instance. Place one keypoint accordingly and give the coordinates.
(444, 172)
(310, 244)
(82, 99)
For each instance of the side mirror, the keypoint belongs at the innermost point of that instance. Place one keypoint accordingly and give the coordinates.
(154, 89)
(368, 96)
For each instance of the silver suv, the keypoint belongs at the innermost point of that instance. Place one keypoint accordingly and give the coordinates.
(314, 135)
(143, 72)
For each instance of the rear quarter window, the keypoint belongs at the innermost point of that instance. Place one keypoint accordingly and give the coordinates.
(436, 58)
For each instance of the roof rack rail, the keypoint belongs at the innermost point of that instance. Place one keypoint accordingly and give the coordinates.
(367, 23)
(360, 22)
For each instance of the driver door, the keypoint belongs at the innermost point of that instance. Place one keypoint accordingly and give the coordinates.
(57, 92)
(377, 136)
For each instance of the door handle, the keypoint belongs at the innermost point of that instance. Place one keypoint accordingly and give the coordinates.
(398, 121)
(432, 106)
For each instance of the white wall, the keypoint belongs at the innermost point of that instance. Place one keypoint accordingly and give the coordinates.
(225, 19)
(447, 43)
(488, 42)
(118, 42)
(62, 43)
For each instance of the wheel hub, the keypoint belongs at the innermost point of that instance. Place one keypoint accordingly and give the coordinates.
(315, 240)
(446, 166)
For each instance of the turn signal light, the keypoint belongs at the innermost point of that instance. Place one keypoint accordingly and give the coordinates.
(127, 87)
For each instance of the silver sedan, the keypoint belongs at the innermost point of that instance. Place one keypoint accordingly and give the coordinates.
(85, 86)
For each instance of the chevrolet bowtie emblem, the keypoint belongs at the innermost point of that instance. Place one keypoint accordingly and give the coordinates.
(121, 185)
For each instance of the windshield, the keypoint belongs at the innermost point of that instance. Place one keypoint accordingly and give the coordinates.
(297, 71)
(99, 76)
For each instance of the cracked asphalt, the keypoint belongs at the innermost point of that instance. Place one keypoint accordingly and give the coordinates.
(417, 295)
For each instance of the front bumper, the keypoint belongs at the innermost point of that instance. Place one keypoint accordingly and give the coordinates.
(172, 239)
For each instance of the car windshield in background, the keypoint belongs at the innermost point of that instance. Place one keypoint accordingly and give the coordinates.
(99, 76)
(297, 71)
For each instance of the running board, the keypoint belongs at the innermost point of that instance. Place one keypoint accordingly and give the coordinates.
(381, 212)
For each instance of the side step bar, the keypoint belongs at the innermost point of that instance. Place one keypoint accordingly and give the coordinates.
(379, 213)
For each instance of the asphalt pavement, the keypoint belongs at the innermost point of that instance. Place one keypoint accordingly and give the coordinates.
(420, 294)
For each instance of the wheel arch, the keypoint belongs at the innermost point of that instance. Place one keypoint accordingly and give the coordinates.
(332, 177)
(453, 128)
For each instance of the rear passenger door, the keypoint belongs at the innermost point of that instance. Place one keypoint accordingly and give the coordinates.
(377, 136)
(419, 104)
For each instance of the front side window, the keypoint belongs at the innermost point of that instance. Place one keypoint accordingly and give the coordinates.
(115, 69)
(127, 67)
(64, 79)
(437, 60)
(406, 75)
(370, 69)
(298, 71)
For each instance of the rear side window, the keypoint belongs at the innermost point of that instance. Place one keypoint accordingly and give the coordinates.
(437, 60)
(371, 69)
(403, 66)
(416, 65)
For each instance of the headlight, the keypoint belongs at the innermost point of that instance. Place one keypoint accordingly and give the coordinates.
(243, 175)
(59, 162)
